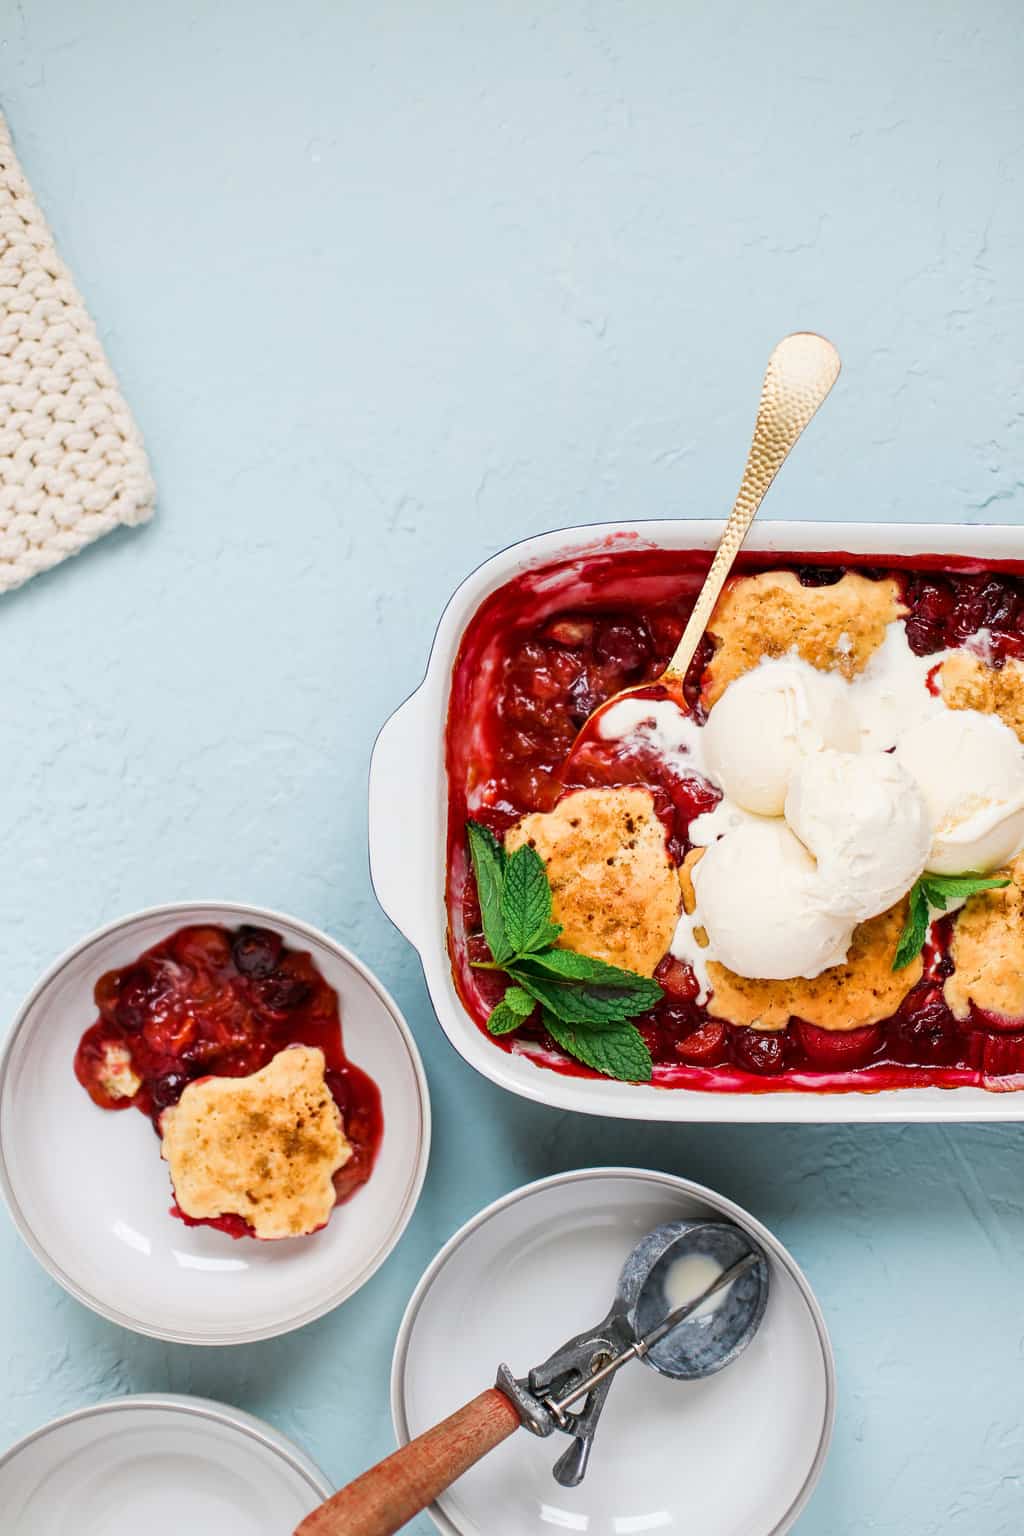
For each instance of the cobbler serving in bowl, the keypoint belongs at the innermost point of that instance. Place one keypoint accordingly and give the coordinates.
(231, 1042)
(805, 872)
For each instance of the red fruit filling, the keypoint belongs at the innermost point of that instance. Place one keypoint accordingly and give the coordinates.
(543, 652)
(947, 610)
(837, 1050)
(212, 1001)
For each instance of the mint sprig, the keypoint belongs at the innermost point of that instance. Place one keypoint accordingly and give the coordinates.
(489, 867)
(935, 891)
(526, 903)
(585, 1003)
(915, 929)
(618, 1052)
(514, 1007)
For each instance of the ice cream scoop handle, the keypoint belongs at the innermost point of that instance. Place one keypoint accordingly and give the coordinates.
(800, 373)
(383, 1499)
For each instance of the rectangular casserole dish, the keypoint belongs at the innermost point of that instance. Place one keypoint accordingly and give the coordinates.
(408, 812)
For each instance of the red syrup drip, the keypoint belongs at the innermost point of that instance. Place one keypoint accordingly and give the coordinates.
(544, 651)
(213, 1001)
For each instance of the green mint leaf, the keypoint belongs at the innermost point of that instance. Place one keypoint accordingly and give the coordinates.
(526, 900)
(569, 965)
(488, 840)
(546, 937)
(619, 1053)
(937, 891)
(502, 1020)
(519, 1001)
(586, 1002)
(580, 1002)
(941, 889)
(915, 929)
(489, 868)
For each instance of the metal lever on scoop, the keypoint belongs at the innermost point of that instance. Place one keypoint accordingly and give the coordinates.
(583, 1369)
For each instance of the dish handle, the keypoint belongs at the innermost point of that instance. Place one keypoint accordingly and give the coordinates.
(404, 824)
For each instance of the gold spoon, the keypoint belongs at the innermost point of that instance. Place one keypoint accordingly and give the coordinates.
(800, 373)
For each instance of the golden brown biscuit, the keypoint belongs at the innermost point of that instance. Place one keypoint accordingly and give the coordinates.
(863, 990)
(968, 683)
(263, 1147)
(988, 951)
(614, 888)
(835, 628)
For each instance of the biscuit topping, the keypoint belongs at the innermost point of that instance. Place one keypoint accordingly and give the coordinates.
(864, 989)
(263, 1147)
(968, 682)
(836, 628)
(614, 888)
(987, 950)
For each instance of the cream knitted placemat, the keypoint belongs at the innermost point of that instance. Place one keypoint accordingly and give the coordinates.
(72, 463)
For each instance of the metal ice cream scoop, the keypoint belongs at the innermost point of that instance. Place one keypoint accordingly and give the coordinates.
(652, 1318)
(685, 1341)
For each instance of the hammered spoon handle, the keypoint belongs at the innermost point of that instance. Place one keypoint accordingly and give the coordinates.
(800, 373)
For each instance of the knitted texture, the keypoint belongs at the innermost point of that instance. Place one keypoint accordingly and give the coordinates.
(72, 463)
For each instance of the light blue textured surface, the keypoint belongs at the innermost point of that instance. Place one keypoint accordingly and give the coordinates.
(388, 287)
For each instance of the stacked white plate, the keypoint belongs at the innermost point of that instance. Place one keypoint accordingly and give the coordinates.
(159, 1465)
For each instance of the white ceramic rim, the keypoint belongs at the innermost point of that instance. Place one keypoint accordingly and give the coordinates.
(267, 916)
(247, 1424)
(407, 867)
(679, 1185)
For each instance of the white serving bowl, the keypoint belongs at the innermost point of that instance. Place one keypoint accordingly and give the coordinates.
(408, 822)
(159, 1464)
(90, 1193)
(737, 1452)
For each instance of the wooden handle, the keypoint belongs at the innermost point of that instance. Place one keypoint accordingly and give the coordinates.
(383, 1499)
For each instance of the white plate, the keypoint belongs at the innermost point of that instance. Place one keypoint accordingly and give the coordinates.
(735, 1455)
(160, 1465)
(90, 1193)
(408, 853)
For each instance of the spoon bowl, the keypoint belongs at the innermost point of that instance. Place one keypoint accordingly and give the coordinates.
(718, 1332)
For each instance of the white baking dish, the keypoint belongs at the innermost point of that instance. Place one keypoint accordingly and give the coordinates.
(408, 815)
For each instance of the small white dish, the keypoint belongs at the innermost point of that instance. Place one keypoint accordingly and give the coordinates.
(736, 1454)
(90, 1193)
(160, 1464)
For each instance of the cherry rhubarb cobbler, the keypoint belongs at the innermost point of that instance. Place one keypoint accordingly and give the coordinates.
(231, 1043)
(804, 872)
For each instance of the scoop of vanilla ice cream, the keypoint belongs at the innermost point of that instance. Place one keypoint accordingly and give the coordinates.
(866, 823)
(970, 768)
(767, 721)
(757, 899)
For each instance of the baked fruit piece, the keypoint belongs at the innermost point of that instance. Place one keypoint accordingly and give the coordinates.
(863, 990)
(264, 1147)
(836, 628)
(970, 683)
(614, 888)
(987, 950)
(115, 1076)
